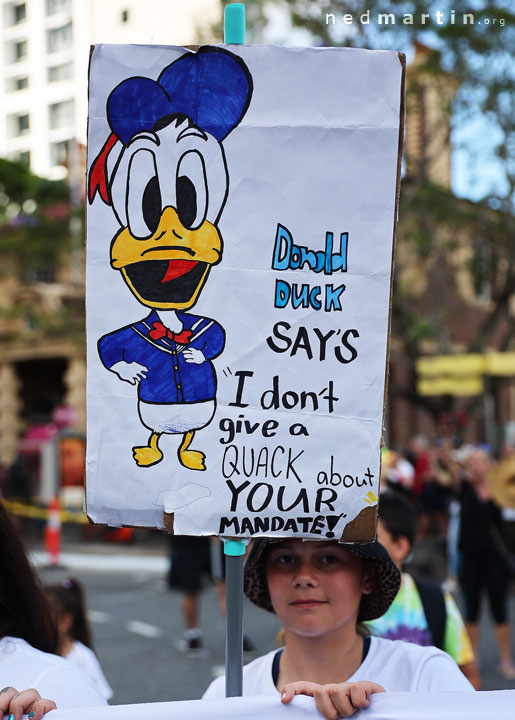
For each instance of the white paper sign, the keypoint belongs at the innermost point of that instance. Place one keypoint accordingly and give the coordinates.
(239, 254)
(385, 706)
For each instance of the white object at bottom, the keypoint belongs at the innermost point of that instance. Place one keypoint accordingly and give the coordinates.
(496, 704)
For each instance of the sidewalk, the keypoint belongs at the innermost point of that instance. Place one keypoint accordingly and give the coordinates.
(106, 557)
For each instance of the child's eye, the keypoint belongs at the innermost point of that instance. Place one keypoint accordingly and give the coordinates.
(329, 559)
(283, 560)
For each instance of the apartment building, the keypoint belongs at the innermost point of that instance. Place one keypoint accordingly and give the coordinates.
(44, 57)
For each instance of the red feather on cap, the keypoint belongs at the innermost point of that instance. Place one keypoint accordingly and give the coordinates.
(98, 173)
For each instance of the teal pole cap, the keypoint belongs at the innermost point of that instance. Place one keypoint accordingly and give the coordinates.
(234, 24)
(235, 548)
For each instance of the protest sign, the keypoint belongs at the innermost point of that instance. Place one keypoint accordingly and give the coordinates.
(240, 233)
(384, 706)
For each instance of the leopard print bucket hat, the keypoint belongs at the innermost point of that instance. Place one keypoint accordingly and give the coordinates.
(371, 607)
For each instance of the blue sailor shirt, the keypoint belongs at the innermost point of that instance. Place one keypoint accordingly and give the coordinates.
(170, 379)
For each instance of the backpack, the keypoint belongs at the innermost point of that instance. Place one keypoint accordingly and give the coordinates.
(433, 603)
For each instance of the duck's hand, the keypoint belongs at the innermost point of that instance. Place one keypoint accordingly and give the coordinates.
(192, 355)
(130, 372)
(14, 703)
(335, 699)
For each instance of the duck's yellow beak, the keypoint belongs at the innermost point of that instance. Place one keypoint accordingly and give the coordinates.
(168, 269)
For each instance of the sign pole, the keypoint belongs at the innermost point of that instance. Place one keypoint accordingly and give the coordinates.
(234, 24)
(234, 557)
(234, 550)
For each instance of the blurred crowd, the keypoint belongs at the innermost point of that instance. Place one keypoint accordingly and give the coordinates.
(463, 503)
(431, 476)
(446, 519)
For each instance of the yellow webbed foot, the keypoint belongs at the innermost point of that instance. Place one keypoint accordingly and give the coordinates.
(146, 456)
(192, 459)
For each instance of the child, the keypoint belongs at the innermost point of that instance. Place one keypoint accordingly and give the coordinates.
(67, 599)
(321, 591)
(421, 613)
(28, 639)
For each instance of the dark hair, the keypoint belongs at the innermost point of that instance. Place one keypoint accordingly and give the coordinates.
(398, 515)
(68, 597)
(24, 609)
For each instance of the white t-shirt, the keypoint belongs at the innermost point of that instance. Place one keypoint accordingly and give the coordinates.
(55, 678)
(396, 665)
(86, 659)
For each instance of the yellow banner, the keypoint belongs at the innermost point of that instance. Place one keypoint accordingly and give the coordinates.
(491, 363)
(473, 364)
(500, 363)
(459, 387)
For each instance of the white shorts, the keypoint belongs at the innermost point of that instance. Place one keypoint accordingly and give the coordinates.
(176, 417)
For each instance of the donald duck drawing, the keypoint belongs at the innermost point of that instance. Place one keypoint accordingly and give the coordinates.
(167, 189)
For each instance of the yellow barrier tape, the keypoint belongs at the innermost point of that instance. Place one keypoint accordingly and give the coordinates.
(24, 509)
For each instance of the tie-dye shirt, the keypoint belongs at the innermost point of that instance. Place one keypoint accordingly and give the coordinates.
(405, 620)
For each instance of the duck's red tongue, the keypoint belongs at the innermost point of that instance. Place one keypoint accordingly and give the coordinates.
(176, 268)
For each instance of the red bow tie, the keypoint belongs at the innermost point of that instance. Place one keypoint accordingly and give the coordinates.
(160, 331)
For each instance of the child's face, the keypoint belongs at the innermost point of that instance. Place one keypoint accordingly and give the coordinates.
(398, 549)
(64, 624)
(316, 587)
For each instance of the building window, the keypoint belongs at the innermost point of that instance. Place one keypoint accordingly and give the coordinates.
(59, 153)
(24, 157)
(58, 39)
(481, 267)
(45, 273)
(21, 124)
(16, 83)
(60, 72)
(19, 13)
(61, 114)
(57, 6)
(125, 16)
(20, 49)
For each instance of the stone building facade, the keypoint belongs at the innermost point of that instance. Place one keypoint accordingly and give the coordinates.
(467, 309)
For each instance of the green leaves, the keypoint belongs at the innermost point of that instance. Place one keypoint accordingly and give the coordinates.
(34, 217)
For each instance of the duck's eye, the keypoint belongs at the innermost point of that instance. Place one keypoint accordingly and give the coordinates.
(191, 190)
(143, 195)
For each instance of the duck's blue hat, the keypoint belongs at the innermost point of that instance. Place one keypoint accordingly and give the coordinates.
(213, 87)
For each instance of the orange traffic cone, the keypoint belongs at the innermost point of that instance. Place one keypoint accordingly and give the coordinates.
(53, 532)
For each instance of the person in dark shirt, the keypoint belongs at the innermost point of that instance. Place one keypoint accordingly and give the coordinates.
(483, 566)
